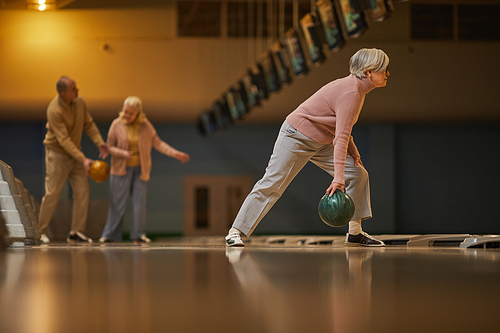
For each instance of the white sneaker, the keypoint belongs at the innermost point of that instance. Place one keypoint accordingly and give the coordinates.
(44, 239)
(234, 238)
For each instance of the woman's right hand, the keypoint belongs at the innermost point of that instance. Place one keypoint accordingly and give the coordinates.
(183, 157)
(333, 187)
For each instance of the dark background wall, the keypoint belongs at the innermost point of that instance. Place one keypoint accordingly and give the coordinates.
(425, 178)
(429, 139)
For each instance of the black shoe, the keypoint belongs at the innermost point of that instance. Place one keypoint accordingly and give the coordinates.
(76, 237)
(362, 239)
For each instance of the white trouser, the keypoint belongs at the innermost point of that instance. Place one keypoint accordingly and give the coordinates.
(292, 151)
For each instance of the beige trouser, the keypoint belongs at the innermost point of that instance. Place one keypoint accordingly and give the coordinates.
(60, 167)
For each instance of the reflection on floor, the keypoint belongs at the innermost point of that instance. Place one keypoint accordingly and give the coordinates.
(274, 284)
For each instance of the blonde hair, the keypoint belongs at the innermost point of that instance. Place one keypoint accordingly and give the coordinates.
(133, 101)
(368, 60)
(136, 103)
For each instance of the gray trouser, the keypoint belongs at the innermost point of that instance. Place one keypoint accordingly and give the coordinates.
(292, 151)
(119, 189)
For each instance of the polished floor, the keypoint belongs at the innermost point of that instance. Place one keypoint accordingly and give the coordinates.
(281, 285)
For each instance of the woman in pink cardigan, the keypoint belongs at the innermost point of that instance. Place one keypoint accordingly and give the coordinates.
(319, 130)
(130, 140)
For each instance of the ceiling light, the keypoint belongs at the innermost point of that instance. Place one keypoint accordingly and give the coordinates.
(41, 5)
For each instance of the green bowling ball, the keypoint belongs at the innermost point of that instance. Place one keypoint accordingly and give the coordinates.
(337, 210)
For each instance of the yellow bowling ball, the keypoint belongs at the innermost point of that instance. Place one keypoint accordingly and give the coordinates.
(99, 171)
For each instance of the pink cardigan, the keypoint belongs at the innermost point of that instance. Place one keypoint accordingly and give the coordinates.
(329, 115)
(118, 145)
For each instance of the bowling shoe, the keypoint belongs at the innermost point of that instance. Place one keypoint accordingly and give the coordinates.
(44, 239)
(234, 238)
(105, 240)
(76, 237)
(143, 240)
(362, 239)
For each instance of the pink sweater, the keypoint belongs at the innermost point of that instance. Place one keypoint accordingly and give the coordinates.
(118, 145)
(329, 115)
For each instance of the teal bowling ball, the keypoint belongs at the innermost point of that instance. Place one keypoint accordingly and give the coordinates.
(337, 210)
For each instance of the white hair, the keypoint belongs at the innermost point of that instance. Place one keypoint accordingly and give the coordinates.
(368, 60)
(133, 101)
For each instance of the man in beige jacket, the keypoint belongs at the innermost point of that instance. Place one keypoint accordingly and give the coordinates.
(67, 118)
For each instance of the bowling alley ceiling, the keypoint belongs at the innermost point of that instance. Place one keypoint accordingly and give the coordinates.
(117, 48)
(67, 4)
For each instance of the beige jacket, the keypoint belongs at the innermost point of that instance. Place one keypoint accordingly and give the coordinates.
(65, 126)
(148, 138)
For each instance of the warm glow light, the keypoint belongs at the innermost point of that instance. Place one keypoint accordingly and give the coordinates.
(42, 7)
(41, 2)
